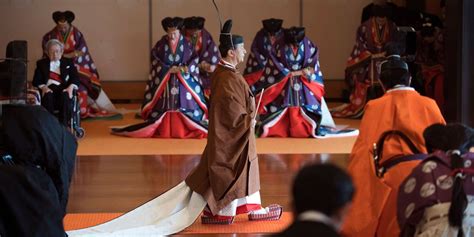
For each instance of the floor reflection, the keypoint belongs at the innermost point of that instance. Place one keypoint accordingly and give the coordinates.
(120, 183)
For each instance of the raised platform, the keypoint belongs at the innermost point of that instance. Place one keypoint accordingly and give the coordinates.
(99, 140)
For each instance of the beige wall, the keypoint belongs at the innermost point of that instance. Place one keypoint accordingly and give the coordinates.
(246, 15)
(117, 31)
(332, 26)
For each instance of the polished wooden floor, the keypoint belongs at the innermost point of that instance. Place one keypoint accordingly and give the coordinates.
(120, 183)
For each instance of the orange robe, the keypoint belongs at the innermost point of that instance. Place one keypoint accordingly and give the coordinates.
(374, 209)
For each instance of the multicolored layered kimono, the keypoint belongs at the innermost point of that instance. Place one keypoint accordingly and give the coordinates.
(174, 104)
(291, 105)
(425, 196)
(431, 58)
(74, 42)
(361, 68)
(207, 50)
(262, 46)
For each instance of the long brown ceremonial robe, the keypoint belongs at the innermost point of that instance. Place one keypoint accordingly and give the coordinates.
(374, 208)
(229, 166)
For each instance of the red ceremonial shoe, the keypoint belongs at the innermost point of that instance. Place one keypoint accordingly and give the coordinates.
(273, 214)
(219, 220)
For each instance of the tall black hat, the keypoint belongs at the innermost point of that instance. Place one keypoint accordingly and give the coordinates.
(59, 16)
(228, 40)
(172, 22)
(272, 25)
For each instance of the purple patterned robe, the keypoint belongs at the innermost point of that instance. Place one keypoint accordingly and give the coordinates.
(261, 49)
(362, 65)
(430, 183)
(174, 104)
(208, 52)
(291, 105)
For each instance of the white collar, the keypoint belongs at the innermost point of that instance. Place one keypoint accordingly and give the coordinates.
(227, 64)
(316, 216)
(401, 88)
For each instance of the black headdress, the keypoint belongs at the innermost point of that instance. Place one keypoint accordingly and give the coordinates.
(228, 40)
(272, 25)
(394, 71)
(294, 35)
(172, 22)
(393, 62)
(194, 23)
(59, 16)
(381, 11)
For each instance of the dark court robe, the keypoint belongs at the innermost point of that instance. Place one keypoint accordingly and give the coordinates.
(229, 166)
(34, 185)
(308, 228)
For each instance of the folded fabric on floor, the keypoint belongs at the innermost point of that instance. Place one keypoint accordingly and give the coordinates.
(168, 213)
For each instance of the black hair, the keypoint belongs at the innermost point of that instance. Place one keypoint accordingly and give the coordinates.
(272, 25)
(294, 35)
(172, 22)
(63, 16)
(335, 184)
(455, 139)
(458, 198)
(194, 23)
(447, 137)
(395, 77)
(381, 11)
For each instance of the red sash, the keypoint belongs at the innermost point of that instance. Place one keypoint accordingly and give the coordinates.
(56, 77)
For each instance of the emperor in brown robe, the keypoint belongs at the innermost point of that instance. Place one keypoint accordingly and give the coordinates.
(227, 176)
(229, 166)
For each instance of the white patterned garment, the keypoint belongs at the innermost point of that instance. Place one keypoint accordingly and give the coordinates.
(167, 214)
(435, 222)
